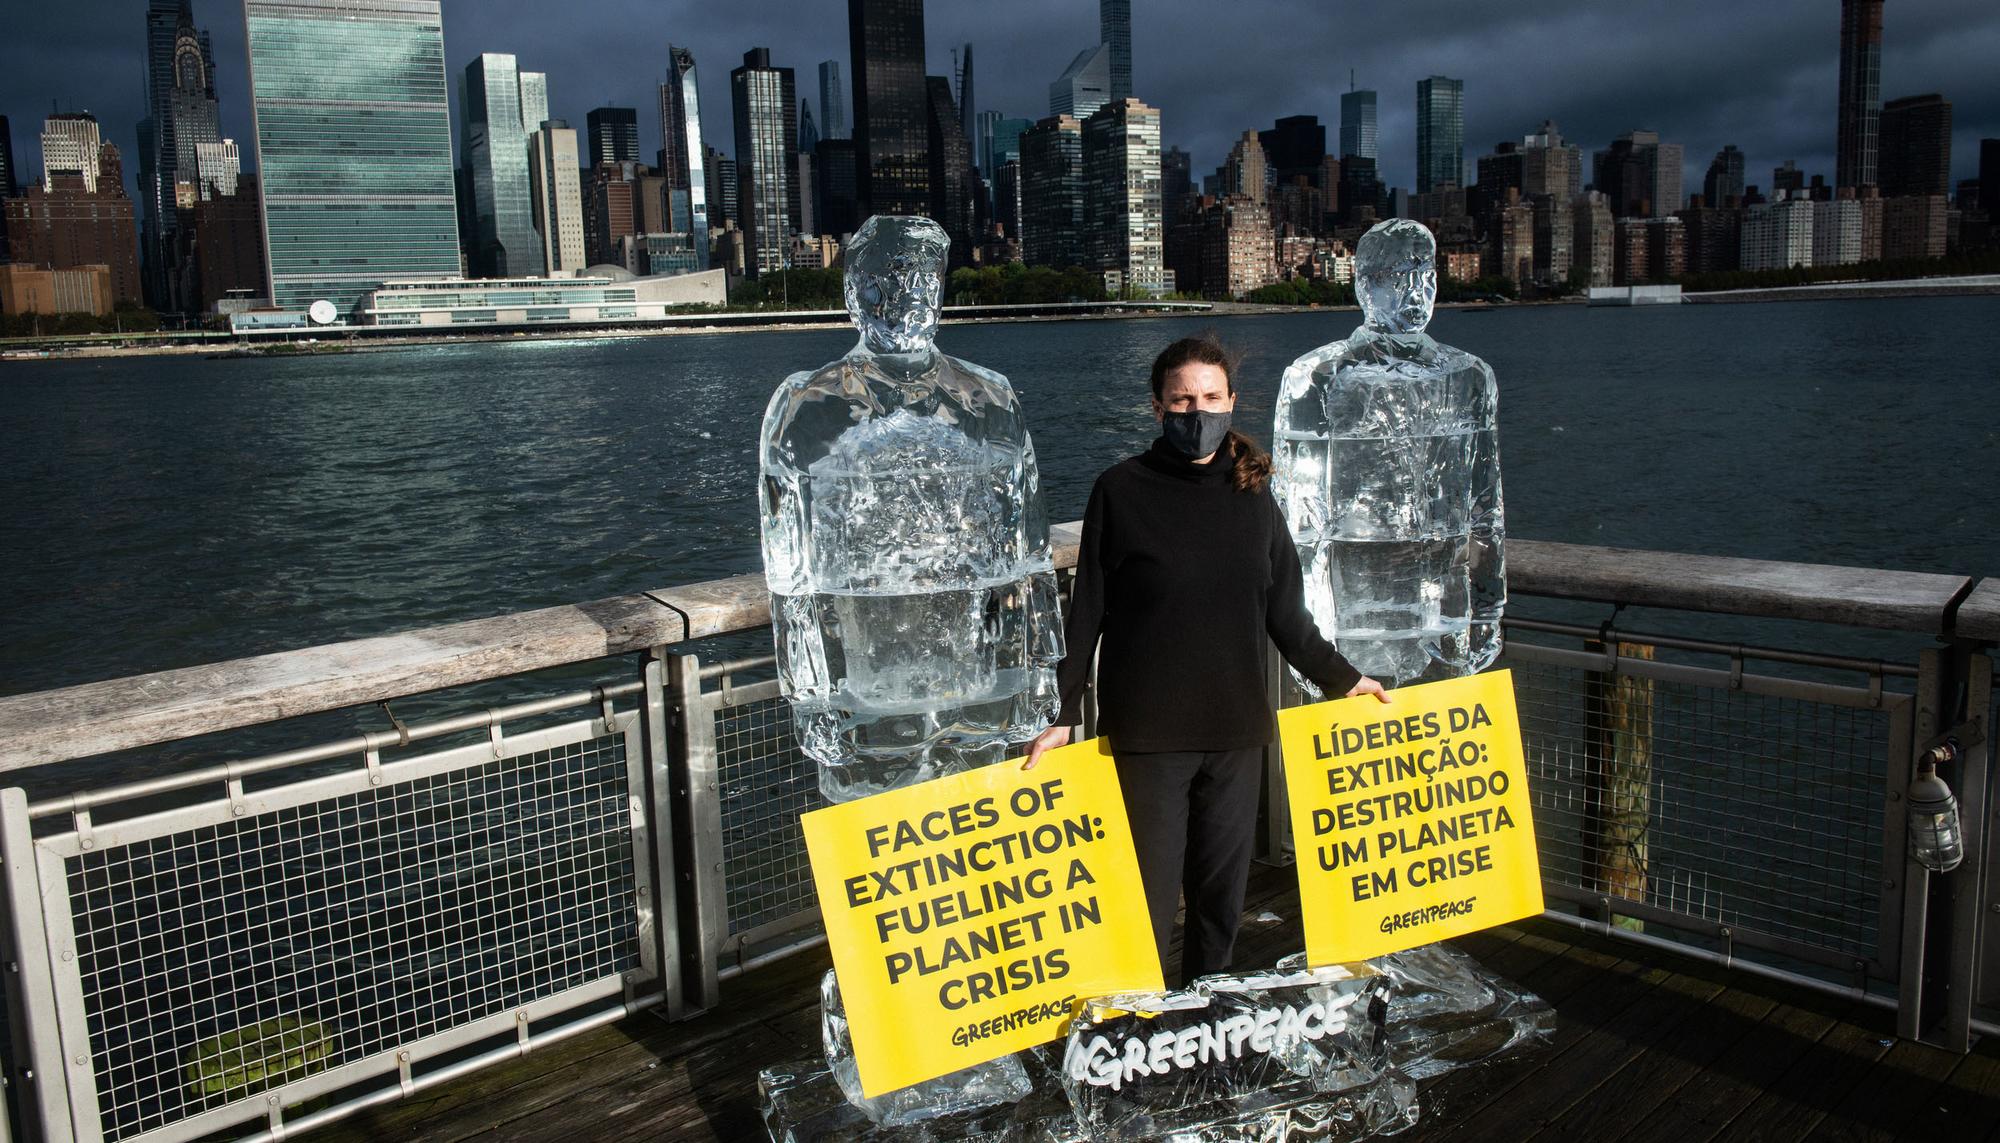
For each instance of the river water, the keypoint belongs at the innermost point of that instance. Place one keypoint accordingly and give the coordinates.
(163, 512)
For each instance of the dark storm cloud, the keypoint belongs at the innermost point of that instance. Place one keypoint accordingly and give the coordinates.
(1760, 75)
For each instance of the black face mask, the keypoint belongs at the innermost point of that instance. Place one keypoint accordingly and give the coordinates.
(1195, 434)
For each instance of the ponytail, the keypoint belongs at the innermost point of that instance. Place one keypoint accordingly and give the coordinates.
(1252, 465)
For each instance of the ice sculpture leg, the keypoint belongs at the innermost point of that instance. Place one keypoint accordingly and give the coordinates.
(905, 543)
(1388, 470)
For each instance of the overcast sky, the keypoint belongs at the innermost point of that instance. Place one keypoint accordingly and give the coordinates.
(1759, 74)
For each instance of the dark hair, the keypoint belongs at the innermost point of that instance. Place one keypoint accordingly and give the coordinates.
(1252, 464)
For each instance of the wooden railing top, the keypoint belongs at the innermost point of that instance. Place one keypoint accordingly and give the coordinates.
(142, 710)
(1920, 602)
(1979, 615)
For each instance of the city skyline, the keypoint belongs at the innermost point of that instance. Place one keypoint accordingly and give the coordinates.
(1763, 79)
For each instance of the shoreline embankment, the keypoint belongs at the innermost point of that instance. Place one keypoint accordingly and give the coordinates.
(360, 341)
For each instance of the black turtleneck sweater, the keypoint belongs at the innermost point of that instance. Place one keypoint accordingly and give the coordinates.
(1187, 581)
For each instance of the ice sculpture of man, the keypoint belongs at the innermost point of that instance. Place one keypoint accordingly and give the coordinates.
(1389, 474)
(913, 601)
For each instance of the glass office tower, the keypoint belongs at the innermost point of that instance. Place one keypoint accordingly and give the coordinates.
(1357, 124)
(681, 153)
(767, 138)
(497, 103)
(353, 145)
(1440, 132)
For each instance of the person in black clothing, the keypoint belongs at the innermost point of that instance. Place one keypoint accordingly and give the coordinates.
(1187, 573)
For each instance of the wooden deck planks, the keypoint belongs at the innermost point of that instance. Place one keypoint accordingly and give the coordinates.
(1649, 1047)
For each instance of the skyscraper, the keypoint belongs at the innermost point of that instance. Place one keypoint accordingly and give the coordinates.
(1855, 143)
(683, 156)
(1724, 180)
(181, 115)
(614, 135)
(951, 172)
(982, 141)
(1357, 124)
(1639, 175)
(891, 106)
(557, 195)
(1176, 181)
(1084, 86)
(1440, 132)
(356, 160)
(8, 181)
(832, 102)
(1244, 172)
(833, 187)
(966, 124)
(71, 145)
(1294, 146)
(721, 177)
(1121, 194)
(1916, 146)
(808, 131)
(1052, 192)
(534, 100)
(1548, 168)
(767, 137)
(504, 242)
(1114, 31)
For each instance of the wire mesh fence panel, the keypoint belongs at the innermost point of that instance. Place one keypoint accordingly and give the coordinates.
(235, 956)
(1758, 812)
(765, 783)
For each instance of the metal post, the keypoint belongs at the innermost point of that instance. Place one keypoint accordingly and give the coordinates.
(665, 950)
(1941, 912)
(1968, 881)
(38, 1052)
(704, 913)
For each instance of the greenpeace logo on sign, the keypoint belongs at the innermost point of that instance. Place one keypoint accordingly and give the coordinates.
(1103, 1063)
(1019, 1018)
(1428, 914)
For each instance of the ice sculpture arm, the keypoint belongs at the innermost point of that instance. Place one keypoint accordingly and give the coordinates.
(1086, 612)
(1486, 562)
(1291, 626)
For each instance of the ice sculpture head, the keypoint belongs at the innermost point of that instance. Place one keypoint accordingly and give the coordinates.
(1395, 276)
(895, 281)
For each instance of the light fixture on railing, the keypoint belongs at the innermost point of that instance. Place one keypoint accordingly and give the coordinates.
(1936, 840)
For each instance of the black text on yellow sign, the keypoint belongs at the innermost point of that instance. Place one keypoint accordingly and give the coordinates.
(968, 915)
(1411, 818)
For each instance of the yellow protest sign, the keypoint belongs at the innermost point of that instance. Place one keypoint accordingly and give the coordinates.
(969, 915)
(1411, 818)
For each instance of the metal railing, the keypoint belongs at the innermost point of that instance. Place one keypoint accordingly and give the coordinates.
(273, 943)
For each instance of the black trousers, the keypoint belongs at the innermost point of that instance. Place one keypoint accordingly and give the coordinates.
(1194, 824)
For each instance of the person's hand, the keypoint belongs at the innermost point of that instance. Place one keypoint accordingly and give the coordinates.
(1368, 686)
(1048, 739)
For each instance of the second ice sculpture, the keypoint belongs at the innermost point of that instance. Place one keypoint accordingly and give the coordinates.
(913, 600)
(1388, 469)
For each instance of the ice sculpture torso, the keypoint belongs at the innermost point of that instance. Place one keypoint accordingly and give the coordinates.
(1387, 467)
(913, 597)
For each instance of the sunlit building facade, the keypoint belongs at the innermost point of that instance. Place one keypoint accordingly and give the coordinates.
(353, 145)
